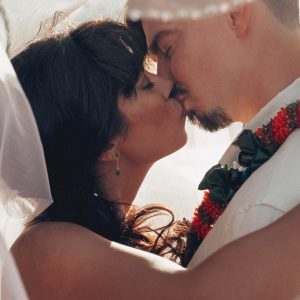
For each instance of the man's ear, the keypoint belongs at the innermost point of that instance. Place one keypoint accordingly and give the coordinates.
(239, 19)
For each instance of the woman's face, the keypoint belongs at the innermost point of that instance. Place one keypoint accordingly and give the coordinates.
(155, 122)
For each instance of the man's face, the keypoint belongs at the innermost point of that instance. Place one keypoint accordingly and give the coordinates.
(199, 56)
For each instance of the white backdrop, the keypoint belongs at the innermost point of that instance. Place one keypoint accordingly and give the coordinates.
(174, 180)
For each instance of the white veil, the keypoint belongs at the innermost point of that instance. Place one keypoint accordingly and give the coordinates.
(178, 9)
(24, 186)
(11, 286)
(25, 17)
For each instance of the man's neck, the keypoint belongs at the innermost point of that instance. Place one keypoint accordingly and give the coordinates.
(277, 67)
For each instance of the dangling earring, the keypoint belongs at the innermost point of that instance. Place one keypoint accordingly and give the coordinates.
(117, 172)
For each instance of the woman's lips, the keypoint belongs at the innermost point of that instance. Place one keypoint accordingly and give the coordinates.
(181, 105)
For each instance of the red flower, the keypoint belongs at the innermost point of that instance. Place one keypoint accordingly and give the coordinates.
(259, 132)
(200, 228)
(208, 210)
(279, 126)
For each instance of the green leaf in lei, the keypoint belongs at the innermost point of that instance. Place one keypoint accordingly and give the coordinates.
(218, 181)
(253, 147)
(245, 142)
(215, 176)
(263, 153)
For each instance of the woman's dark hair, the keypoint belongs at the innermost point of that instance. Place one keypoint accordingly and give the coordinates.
(73, 82)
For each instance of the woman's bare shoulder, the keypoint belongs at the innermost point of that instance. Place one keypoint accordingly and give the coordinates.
(58, 259)
(50, 236)
(48, 253)
(48, 241)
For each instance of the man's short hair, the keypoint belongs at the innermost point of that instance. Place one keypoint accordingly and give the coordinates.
(287, 11)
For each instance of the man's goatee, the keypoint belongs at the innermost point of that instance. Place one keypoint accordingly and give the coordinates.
(211, 121)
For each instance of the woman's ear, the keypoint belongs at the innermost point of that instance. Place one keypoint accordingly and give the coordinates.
(239, 19)
(111, 154)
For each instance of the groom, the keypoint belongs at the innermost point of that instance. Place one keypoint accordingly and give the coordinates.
(240, 66)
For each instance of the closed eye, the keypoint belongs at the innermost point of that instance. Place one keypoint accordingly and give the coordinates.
(148, 86)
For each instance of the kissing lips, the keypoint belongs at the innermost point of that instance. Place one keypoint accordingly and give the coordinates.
(180, 94)
(180, 105)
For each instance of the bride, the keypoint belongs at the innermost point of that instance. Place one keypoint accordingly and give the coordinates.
(103, 122)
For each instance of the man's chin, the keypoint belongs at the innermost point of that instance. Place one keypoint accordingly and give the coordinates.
(212, 121)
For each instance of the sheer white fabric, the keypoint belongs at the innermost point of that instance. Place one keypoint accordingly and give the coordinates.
(11, 286)
(178, 9)
(24, 186)
(25, 17)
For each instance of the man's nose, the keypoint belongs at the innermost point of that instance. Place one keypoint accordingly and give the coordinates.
(164, 69)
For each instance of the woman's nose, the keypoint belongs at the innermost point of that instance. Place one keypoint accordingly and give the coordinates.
(162, 85)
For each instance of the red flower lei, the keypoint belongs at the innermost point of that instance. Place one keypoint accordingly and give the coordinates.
(272, 134)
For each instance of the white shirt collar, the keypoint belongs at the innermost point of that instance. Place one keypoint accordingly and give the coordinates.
(285, 97)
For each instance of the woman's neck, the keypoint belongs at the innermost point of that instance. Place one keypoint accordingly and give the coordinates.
(122, 188)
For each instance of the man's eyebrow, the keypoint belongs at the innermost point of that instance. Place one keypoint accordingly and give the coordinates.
(154, 46)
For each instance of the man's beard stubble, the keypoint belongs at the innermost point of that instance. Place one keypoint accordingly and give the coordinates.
(211, 121)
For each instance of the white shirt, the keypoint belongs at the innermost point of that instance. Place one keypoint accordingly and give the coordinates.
(270, 191)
